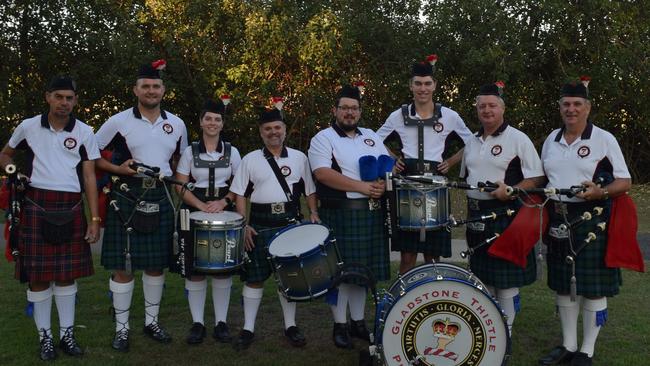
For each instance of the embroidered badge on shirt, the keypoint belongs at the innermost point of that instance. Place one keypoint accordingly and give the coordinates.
(285, 170)
(168, 128)
(584, 151)
(438, 127)
(496, 150)
(369, 142)
(70, 143)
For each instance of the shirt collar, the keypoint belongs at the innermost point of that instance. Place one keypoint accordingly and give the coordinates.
(496, 133)
(203, 150)
(342, 133)
(283, 154)
(414, 113)
(586, 134)
(45, 123)
(138, 115)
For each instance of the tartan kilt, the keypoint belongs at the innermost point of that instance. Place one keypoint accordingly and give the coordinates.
(174, 266)
(437, 242)
(41, 261)
(593, 277)
(491, 270)
(360, 238)
(258, 268)
(149, 251)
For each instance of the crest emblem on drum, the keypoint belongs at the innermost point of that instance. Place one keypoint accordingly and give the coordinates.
(584, 151)
(369, 142)
(445, 331)
(285, 170)
(168, 128)
(496, 150)
(70, 143)
(317, 272)
(217, 243)
(417, 202)
(438, 127)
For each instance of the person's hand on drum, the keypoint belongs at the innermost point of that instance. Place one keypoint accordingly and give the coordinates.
(215, 206)
(249, 240)
(501, 192)
(314, 218)
(443, 167)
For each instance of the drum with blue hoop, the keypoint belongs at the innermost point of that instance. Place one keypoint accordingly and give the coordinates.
(422, 205)
(305, 261)
(440, 314)
(218, 240)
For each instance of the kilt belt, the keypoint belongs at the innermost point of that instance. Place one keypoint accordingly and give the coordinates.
(350, 204)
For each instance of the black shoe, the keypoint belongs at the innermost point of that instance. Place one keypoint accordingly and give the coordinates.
(341, 336)
(197, 333)
(221, 333)
(581, 359)
(295, 336)
(359, 330)
(157, 333)
(557, 356)
(244, 340)
(69, 345)
(121, 340)
(48, 353)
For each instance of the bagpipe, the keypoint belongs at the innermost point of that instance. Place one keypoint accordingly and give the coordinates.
(13, 192)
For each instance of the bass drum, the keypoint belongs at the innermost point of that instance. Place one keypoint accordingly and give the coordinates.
(440, 314)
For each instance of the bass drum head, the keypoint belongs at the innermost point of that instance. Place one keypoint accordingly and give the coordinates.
(445, 323)
(217, 218)
(432, 271)
(298, 239)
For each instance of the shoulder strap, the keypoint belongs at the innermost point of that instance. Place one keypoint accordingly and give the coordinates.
(279, 177)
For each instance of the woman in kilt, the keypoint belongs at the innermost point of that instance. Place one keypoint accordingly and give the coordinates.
(577, 154)
(503, 154)
(53, 234)
(211, 195)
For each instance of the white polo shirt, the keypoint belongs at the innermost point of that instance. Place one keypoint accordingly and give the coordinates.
(55, 156)
(436, 138)
(255, 176)
(133, 136)
(594, 151)
(507, 155)
(333, 148)
(201, 175)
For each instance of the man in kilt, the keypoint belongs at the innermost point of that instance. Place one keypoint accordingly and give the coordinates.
(211, 195)
(503, 154)
(577, 154)
(431, 143)
(272, 209)
(152, 136)
(54, 237)
(350, 207)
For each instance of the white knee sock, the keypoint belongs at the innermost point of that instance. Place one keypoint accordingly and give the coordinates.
(288, 310)
(221, 298)
(42, 301)
(152, 286)
(252, 300)
(65, 297)
(122, 295)
(340, 310)
(569, 311)
(592, 321)
(357, 301)
(506, 298)
(196, 293)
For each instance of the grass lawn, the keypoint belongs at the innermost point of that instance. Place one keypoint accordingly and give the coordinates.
(625, 340)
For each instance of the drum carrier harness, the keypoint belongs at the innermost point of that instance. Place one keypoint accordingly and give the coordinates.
(211, 165)
(420, 123)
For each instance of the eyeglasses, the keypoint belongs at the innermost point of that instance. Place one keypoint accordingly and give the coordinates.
(346, 108)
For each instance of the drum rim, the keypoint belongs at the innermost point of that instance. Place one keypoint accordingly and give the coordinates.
(379, 332)
(239, 221)
(291, 227)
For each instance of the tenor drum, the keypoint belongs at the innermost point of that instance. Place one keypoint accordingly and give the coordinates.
(421, 205)
(218, 241)
(440, 314)
(305, 261)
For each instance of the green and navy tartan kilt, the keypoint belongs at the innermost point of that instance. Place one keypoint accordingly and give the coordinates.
(491, 270)
(593, 278)
(360, 238)
(437, 242)
(41, 261)
(149, 251)
(258, 268)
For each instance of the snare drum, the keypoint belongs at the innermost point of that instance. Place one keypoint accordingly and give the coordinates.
(440, 314)
(422, 204)
(305, 261)
(218, 241)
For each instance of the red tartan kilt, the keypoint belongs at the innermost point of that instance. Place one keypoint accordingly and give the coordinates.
(41, 261)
